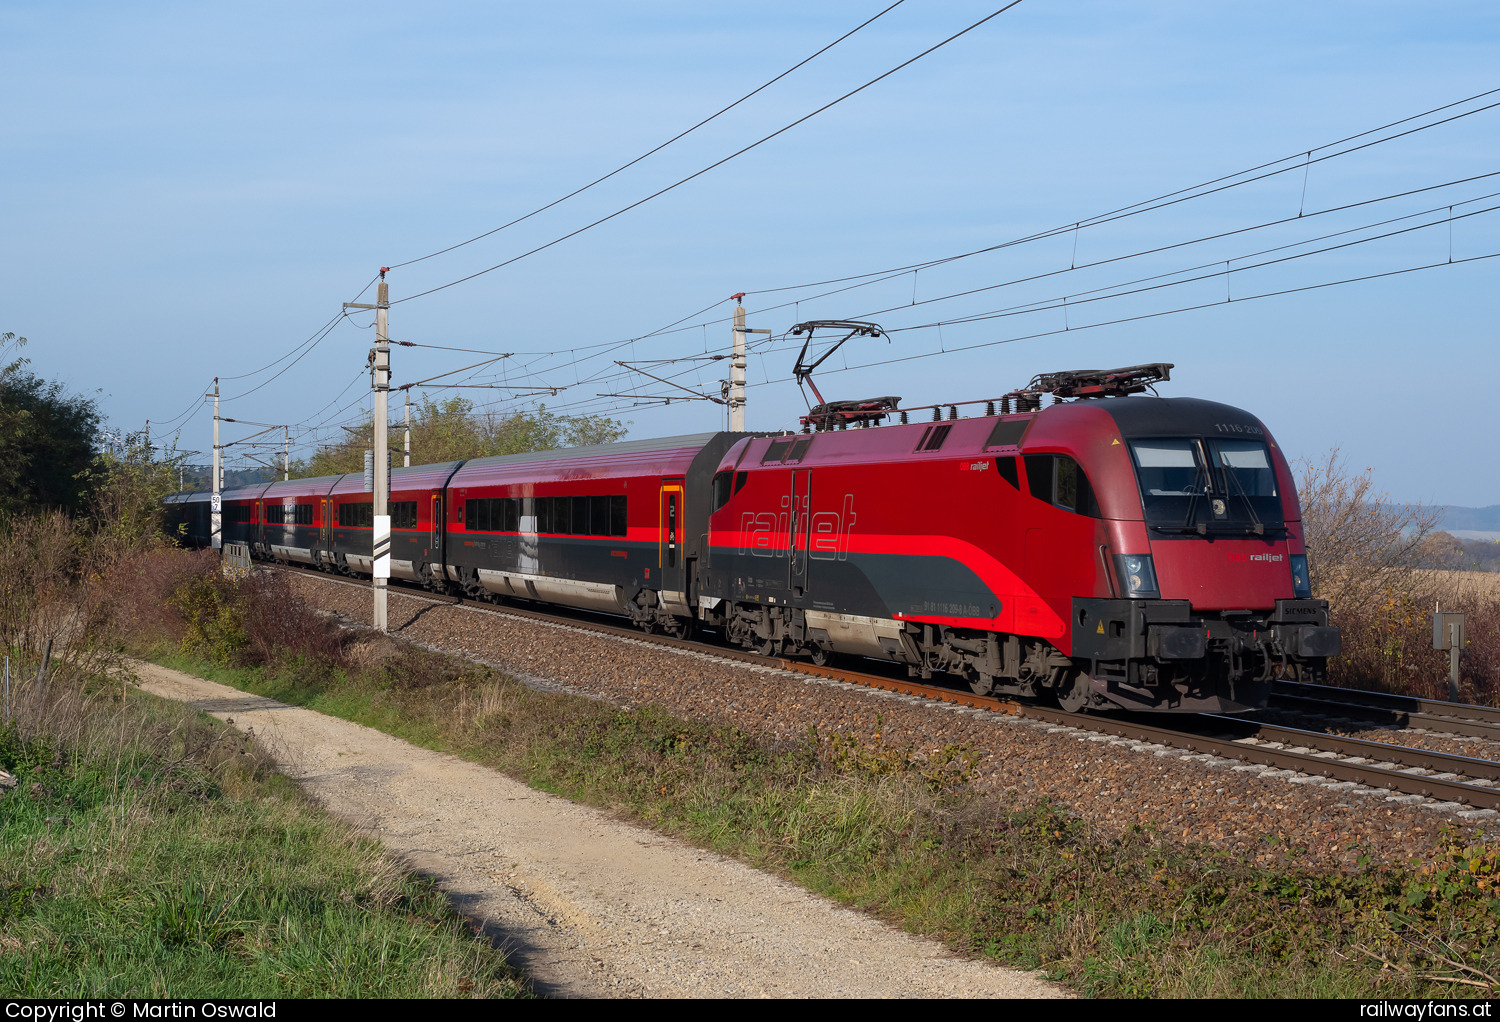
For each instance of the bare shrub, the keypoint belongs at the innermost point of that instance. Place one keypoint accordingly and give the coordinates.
(39, 558)
(141, 587)
(1366, 558)
(183, 597)
(1359, 545)
(277, 622)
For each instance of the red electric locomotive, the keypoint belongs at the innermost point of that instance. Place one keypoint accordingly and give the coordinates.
(1136, 552)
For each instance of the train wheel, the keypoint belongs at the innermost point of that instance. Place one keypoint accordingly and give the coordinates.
(818, 654)
(1073, 694)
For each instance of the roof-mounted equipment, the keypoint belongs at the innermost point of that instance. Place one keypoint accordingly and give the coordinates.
(826, 415)
(1087, 383)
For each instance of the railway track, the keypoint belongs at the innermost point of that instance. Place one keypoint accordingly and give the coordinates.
(1459, 783)
(1383, 709)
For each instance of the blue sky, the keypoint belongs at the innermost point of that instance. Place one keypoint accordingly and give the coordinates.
(192, 190)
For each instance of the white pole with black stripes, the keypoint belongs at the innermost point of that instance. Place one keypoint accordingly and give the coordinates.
(380, 383)
(382, 532)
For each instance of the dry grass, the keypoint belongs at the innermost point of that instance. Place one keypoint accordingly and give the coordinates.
(149, 851)
(1460, 587)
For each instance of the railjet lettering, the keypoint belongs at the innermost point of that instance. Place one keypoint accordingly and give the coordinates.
(1268, 558)
(1418, 1010)
(765, 534)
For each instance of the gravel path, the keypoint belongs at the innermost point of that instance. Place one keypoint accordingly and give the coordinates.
(1269, 816)
(591, 906)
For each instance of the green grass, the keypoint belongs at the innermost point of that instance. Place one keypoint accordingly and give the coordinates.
(154, 853)
(907, 838)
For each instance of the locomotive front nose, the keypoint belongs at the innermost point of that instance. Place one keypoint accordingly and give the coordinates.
(1218, 603)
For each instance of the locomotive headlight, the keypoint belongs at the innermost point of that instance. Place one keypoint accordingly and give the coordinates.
(1137, 574)
(1301, 583)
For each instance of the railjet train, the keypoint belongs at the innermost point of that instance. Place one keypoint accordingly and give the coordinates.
(1111, 550)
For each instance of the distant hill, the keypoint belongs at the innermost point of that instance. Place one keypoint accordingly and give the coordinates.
(1470, 519)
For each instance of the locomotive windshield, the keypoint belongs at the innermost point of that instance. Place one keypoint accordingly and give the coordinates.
(1195, 485)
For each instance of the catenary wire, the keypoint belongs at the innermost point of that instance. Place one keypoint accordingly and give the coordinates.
(674, 138)
(719, 163)
(1160, 201)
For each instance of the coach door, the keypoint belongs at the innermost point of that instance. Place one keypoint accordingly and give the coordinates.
(797, 536)
(669, 547)
(323, 528)
(435, 541)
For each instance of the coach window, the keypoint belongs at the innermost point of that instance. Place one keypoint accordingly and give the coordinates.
(356, 515)
(598, 516)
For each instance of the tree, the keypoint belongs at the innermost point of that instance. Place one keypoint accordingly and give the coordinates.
(1443, 551)
(1359, 546)
(128, 483)
(451, 430)
(47, 439)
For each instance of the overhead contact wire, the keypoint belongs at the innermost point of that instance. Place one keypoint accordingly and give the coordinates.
(674, 138)
(712, 166)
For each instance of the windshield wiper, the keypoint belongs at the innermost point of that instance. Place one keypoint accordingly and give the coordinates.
(1197, 484)
(1233, 480)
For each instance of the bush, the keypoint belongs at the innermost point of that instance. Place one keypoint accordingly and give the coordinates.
(1365, 556)
(1388, 642)
(209, 605)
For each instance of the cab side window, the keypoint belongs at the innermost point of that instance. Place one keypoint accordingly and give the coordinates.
(1059, 480)
(1039, 476)
(1007, 470)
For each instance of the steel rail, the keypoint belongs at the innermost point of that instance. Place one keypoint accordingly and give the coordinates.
(1372, 775)
(1462, 719)
(1377, 717)
(1401, 755)
(1355, 698)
